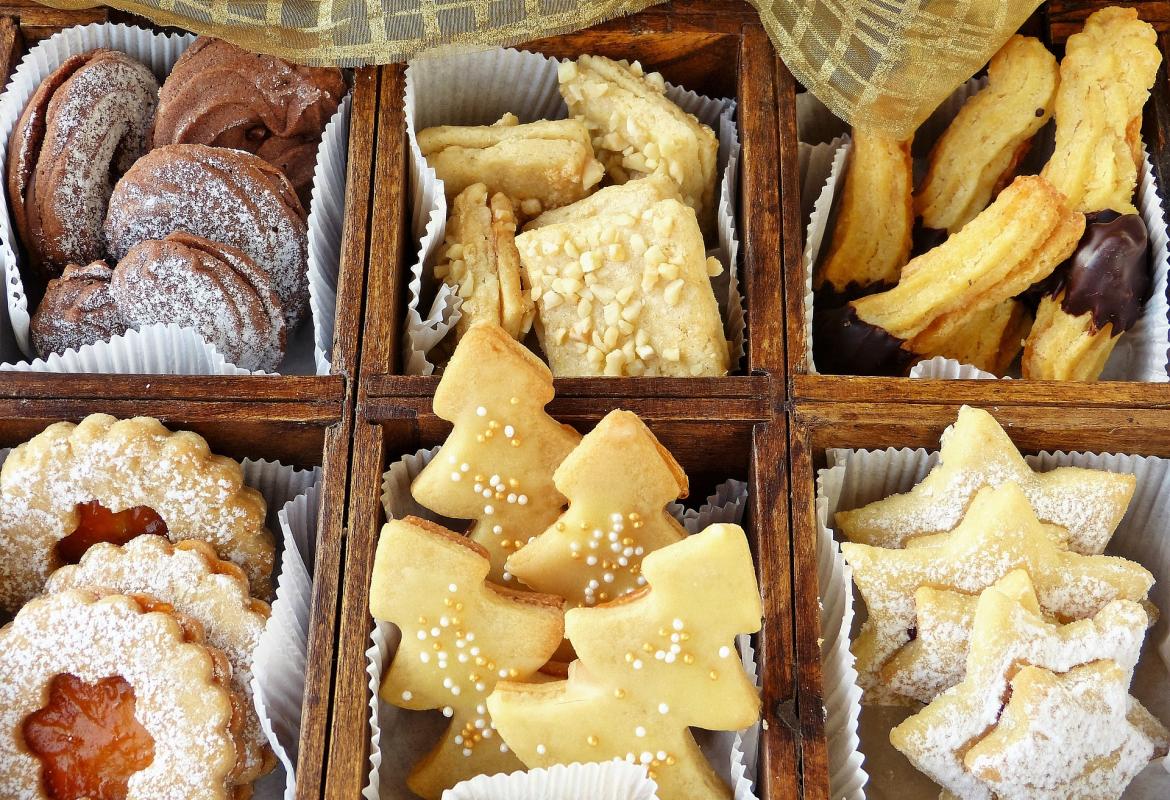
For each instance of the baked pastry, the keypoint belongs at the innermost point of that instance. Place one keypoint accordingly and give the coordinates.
(221, 95)
(593, 552)
(77, 309)
(213, 288)
(83, 127)
(999, 533)
(1015, 242)
(111, 480)
(990, 340)
(496, 466)
(1098, 297)
(1105, 80)
(970, 739)
(113, 696)
(936, 658)
(190, 578)
(626, 294)
(638, 131)
(977, 154)
(976, 452)
(632, 197)
(875, 216)
(649, 666)
(243, 202)
(479, 261)
(460, 635)
(538, 165)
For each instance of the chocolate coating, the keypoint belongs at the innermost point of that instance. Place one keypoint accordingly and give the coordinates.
(78, 309)
(828, 296)
(1108, 274)
(924, 239)
(844, 344)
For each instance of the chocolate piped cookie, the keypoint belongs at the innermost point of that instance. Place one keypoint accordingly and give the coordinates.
(77, 310)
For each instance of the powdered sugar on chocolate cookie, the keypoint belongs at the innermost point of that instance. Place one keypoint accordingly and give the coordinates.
(77, 310)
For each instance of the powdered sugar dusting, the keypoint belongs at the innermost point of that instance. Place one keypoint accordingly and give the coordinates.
(187, 579)
(177, 698)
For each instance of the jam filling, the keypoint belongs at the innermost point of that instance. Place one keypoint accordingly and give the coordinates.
(96, 523)
(87, 739)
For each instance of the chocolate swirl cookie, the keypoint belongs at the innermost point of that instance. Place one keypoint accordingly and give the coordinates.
(227, 196)
(77, 310)
(83, 128)
(220, 95)
(211, 287)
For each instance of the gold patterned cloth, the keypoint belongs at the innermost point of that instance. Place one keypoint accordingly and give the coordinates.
(879, 63)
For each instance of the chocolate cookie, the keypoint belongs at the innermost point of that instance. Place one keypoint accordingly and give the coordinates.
(211, 287)
(227, 196)
(220, 95)
(77, 310)
(83, 128)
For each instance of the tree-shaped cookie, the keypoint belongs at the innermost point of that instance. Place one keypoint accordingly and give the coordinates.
(650, 665)
(618, 481)
(999, 533)
(497, 465)
(1006, 634)
(976, 453)
(460, 635)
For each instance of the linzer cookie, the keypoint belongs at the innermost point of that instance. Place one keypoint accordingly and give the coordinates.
(460, 636)
(114, 696)
(871, 240)
(999, 533)
(651, 665)
(618, 480)
(637, 131)
(539, 165)
(496, 467)
(197, 584)
(981, 148)
(976, 452)
(87, 123)
(109, 480)
(220, 95)
(479, 260)
(626, 294)
(226, 196)
(1062, 726)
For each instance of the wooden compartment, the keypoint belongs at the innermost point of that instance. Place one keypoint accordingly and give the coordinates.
(713, 440)
(719, 49)
(816, 427)
(279, 421)
(1053, 23)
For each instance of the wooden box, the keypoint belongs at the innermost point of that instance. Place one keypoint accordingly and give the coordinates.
(721, 51)
(1054, 22)
(712, 439)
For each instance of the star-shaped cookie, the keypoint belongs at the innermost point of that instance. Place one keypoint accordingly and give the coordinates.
(999, 533)
(1077, 734)
(650, 665)
(976, 453)
(460, 635)
(1005, 634)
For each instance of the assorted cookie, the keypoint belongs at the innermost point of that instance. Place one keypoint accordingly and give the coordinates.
(1014, 641)
(1055, 264)
(106, 170)
(614, 279)
(136, 572)
(652, 612)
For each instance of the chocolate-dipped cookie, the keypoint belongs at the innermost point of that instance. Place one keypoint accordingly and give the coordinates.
(82, 129)
(227, 196)
(211, 287)
(77, 310)
(218, 94)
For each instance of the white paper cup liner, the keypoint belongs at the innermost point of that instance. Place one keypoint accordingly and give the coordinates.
(1142, 352)
(950, 369)
(309, 347)
(398, 738)
(477, 88)
(614, 780)
(856, 734)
